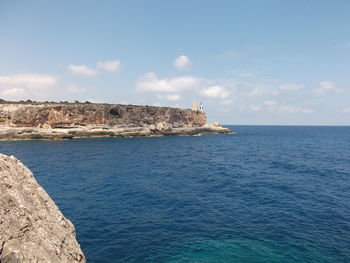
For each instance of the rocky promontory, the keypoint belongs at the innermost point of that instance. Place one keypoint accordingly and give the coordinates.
(32, 228)
(76, 120)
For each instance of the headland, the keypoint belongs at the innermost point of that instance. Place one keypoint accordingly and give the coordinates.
(37, 120)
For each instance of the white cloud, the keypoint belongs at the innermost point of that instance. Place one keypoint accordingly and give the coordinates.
(224, 91)
(225, 110)
(327, 87)
(254, 107)
(109, 66)
(125, 102)
(345, 110)
(275, 93)
(182, 63)
(75, 89)
(345, 45)
(292, 87)
(216, 92)
(26, 86)
(291, 109)
(150, 83)
(173, 97)
(82, 70)
(13, 92)
(270, 103)
(230, 54)
(226, 102)
(273, 105)
(245, 75)
(256, 92)
(27, 80)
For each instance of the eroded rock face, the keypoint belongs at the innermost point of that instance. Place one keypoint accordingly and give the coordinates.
(55, 121)
(77, 115)
(32, 228)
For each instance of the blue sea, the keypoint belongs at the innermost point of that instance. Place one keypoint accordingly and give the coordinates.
(265, 194)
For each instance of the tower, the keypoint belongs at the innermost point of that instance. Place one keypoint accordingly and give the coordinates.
(194, 105)
(201, 106)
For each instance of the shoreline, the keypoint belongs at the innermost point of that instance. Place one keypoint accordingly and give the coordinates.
(84, 120)
(34, 133)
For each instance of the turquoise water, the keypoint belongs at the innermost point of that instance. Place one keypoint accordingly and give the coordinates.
(265, 194)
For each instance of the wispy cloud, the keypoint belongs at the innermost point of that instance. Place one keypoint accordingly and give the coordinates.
(245, 75)
(292, 87)
(26, 86)
(151, 83)
(109, 65)
(345, 45)
(226, 102)
(275, 106)
(230, 54)
(75, 88)
(254, 108)
(169, 97)
(294, 109)
(173, 97)
(252, 93)
(256, 92)
(345, 110)
(275, 93)
(82, 70)
(28, 80)
(216, 92)
(327, 87)
(270, 103)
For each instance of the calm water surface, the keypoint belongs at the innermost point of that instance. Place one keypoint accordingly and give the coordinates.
(265, 194)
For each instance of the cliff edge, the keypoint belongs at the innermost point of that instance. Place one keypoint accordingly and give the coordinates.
(32, 228)
(74, 120)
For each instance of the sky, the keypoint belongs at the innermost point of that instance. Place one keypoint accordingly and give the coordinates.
(249, 62)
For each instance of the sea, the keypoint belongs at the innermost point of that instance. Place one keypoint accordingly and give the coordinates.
(264, 194)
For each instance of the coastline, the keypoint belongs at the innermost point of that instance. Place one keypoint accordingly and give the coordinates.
(34, 133)
(58, 121)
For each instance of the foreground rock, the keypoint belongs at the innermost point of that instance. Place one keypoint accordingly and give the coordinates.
(67, 121)
(32, 228)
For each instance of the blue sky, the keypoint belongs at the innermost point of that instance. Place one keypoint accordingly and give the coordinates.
(249, 62)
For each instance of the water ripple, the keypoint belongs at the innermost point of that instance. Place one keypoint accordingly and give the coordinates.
(265, 194)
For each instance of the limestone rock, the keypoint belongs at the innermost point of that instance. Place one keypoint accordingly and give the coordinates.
(32, 228)
(21, 121)
(159, 126)
(71, 115)
(213, 125)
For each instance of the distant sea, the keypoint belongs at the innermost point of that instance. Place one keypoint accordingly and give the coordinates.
(265, 194)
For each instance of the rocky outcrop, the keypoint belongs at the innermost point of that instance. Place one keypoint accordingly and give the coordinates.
(32, 228)
(73, 115)
(71, 120)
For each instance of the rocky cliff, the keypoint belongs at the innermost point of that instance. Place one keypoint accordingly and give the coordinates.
(78, 115)
(32, 228)
(68, 120)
